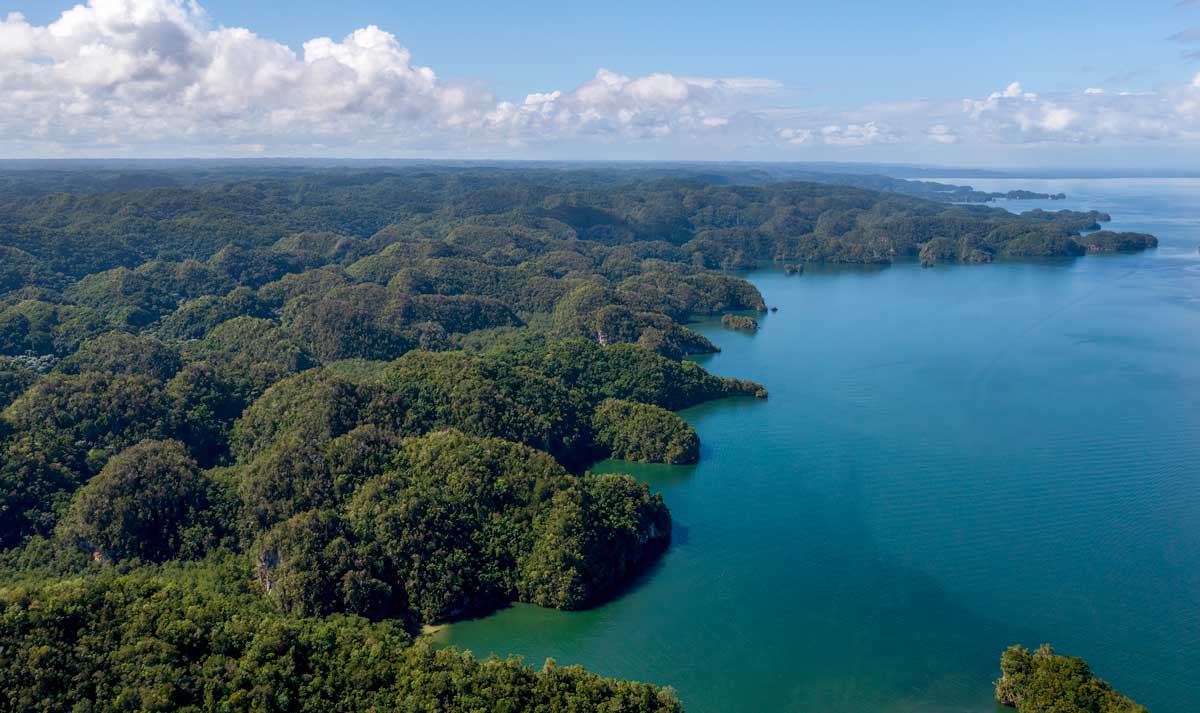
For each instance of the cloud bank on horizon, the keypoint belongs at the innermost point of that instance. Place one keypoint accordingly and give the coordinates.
(158, 77)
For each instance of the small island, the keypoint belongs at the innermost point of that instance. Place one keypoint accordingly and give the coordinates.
(1106, 241)
(739, 323)
(1023, 195)
(1043, 681)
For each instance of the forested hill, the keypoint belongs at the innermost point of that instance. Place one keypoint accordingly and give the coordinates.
(56, 237)
(255, 434)
(28, 179)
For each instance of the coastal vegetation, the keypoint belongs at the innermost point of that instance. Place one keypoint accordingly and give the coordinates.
(646, 433)
(739, 322)
(1046, 682)
(194, 637)
(257, 431)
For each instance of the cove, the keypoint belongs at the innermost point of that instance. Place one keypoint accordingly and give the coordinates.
(951, 460)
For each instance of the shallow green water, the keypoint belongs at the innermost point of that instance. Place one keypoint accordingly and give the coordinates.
(951, 460)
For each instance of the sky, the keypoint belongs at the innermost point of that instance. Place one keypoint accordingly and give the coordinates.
(1102, 83)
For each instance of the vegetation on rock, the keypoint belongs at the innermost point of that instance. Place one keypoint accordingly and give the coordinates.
(1045, 682)
(646, 433)
(739, 322)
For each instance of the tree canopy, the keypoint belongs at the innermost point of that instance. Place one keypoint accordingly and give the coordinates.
(1046, 682)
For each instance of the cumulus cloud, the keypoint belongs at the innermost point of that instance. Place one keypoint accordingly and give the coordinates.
(140, 76)
(635, 107)
(839, 134)
(136, 72)
(1093, 115)
(146, 70)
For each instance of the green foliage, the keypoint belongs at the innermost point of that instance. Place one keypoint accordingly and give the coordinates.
(15, 377)
(591, 539)
(149, 502)
(467, 524)
(126, 298)
(196, 318)
(310, 407)
(19, 268)
(310, 283)
(204, 401)
(38, 472)
(454, 517)
(679, 295)
(623, 372)
(296, 333)
(37, 327)
(1107, 241)
(1041, 245)
(321, 244)
(739, 322)
(94, 414)
(288, 478)
(1045, 682)
(425, 392)
(309, 566)
(193, 638)
(641, 432)
(259, 351)
(123, 353)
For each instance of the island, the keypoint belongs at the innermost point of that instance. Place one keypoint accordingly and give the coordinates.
(1046, 681)
(739, 322)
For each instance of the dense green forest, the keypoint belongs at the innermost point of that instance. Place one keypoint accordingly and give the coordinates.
(1045, 682)
(32, 178)
(256, 432)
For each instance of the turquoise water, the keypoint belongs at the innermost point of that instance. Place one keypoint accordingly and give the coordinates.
(951, 460)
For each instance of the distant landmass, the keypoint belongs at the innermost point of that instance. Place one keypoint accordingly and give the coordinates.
(38, 177)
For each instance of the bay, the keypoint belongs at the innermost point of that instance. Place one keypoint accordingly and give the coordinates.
(951, 460)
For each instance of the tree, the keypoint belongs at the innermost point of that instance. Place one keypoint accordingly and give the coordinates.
(310, 566)
(313, 406)
(1045, 682)
(646, 433)
(150, 502)
(124, 353)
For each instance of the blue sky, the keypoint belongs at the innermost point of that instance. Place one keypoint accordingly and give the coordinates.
(855, 80)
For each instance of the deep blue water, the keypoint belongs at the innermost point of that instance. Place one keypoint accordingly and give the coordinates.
(951, 460)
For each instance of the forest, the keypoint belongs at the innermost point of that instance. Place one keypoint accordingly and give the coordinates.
(256, 431)
(1044, 681)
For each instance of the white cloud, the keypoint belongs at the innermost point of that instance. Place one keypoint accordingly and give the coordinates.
(857, 134)
(631, 107)
(942, 134)
(796, 136)
(145, 76)
(1090, 116)
(137, 72)
(834, 130)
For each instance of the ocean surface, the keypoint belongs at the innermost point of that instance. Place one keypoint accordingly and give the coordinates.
(951, 460)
